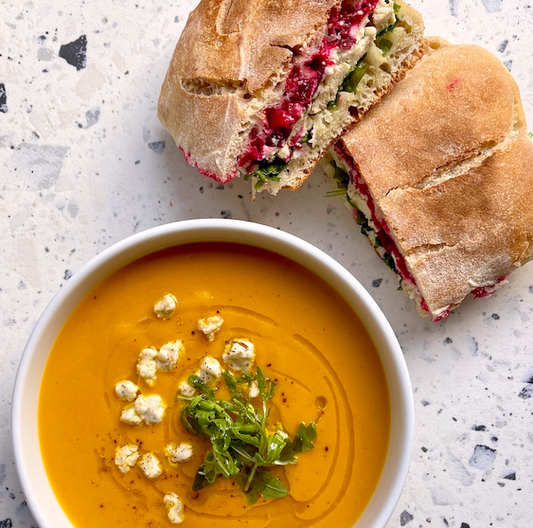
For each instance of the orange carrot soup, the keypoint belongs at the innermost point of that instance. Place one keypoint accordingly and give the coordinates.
(214, 385)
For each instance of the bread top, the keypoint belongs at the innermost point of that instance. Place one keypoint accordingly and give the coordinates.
(469, 230)
(228, 50)
(457, 101)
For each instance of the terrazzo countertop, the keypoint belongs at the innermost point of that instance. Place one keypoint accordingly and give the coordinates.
(85, 163)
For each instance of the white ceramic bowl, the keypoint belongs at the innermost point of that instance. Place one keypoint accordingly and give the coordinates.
(39, 494)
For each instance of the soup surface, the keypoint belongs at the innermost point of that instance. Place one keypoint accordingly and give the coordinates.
(307, 340)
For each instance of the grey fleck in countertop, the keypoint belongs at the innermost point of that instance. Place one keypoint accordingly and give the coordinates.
(84, 163)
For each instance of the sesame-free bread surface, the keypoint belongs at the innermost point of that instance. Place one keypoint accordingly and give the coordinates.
(448, 165)
(230, 65)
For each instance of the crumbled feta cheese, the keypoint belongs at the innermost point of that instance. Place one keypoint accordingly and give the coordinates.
(150, 465)
(253, 392)
(126, 390)
(186, 389)
(210, 326)
(178, 452)
(126, 457)
(165, 306)
(174, 508)
(383, 15)
(239, 354)
(150, 408)
(169, 354)
(209, 369)
(131, 416)
(147, 366)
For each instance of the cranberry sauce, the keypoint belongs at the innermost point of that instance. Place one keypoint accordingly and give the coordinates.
(303, 80)
(382, 229)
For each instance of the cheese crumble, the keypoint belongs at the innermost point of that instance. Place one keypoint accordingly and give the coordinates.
(239, 354)
(178, 452)
(147, 366)
(126, 457)
(210, 326)
(169, 354)
(126, 390)
(165, 306)
(174, 508)
(150, 465)
(150, 408)
(209, 369)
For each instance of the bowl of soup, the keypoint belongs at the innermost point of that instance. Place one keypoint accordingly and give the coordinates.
(212, 373)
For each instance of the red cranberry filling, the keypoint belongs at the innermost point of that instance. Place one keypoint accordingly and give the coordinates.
(304, 78)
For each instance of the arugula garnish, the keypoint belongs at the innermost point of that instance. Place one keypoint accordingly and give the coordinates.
(241, 445)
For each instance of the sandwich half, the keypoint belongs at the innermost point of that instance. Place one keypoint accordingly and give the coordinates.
(440, 177)
(261, 89)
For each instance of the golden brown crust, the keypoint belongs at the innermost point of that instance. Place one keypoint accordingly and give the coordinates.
(468, 231)
(448, 163)
(227, 44)
(458, 100)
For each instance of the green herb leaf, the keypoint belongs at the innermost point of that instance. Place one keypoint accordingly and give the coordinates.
(267, 171)
(241, 445)
(303, 441)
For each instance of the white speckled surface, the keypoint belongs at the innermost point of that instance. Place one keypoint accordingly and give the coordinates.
(84, 163)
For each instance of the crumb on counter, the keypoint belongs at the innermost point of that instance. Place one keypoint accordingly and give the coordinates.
(126, 457)
(239, 354)
(174, 508)
(147, 366)
(178, 452)
(150, 465)
(169, 354)
(126, 390)
(210, 326)
(165, 306)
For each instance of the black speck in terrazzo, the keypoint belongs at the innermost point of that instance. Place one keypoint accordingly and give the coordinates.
(3, 473)
(220, 187)
(67, 275)
(530, 380)
(465, 525)
(483, 457)
(479, 428)
(526, 392)
(405, 518)
(137, 162)
(22, 506)
(503, 45)
(157, 146)
(448, 341)
(3, 98)
(508, 64)
(75, 53)
(226, 214)
(6, 523)
(376, 283)
(424, 449)
(495, 316)
(201, 189)
(425, 403)
(511, 476)
(177, 19)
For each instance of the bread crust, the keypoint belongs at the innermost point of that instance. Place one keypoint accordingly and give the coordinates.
(448, 163)
(227, 44)
(468, 231)
(444, 111)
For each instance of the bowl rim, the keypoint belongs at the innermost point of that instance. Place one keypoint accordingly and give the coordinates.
(378, 512)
